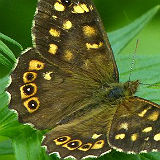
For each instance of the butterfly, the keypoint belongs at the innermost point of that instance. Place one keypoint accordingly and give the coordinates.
(68, 82)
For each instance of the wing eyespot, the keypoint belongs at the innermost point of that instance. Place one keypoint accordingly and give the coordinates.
(62, 140)
(32, 104)
(72, 145)
(29, 77)
(85, 147)
(28, 90)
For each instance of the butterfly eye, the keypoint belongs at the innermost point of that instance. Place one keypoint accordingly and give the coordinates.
(66, 2)
(32, 104)
(28, 90)
(29, 77)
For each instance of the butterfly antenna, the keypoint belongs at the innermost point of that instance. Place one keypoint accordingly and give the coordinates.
(150, 85)
(133, 60)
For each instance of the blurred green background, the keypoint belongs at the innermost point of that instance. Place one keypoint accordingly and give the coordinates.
(16, 20)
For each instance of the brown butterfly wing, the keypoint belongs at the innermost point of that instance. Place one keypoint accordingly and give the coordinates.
(83, 133)
(57, 93)
(136, 126)
(71, 34)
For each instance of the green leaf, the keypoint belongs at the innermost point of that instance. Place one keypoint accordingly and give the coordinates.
(4, 82)
(4, 37)
(6, 147)
(120, 38)
(7, 51)
(4, 61)
(30, 148)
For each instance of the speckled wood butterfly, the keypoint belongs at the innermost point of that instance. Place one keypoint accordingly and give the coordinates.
(69, 82)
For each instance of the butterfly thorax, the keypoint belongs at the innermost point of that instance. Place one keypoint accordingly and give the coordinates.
(115, 91)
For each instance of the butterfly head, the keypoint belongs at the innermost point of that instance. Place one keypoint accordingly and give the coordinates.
(130, 87)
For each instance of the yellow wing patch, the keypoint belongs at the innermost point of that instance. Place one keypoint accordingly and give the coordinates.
(59, 7)
(89, 31)
(157, 137)
(154, 116)
(53, 49)
(98, 145)
(94, 46)
(120, 136)
(80, 8)
(54, 32)
(142, 114)
(68, 55)
(134, 137)
(147, 129)
(36, 65)
(67, 25)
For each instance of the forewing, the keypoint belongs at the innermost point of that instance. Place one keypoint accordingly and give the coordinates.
(43, 94)
(136, 126)
(84, 135)
(71, 33)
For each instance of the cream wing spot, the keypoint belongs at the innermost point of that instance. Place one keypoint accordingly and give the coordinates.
(91, 7)
(146, 139)
(53, 49)
(120, 136)
(157, 137)
(95, 136)
(123, 126)
(54, 17)
(67, 25)
(59, 7)
(47, 76)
